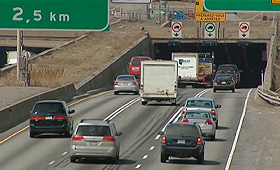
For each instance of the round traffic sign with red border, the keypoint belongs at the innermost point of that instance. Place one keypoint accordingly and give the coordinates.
(176, 27)
(244, 27)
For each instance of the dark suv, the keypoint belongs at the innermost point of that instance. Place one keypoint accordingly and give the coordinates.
(182, 140)
(51, 116)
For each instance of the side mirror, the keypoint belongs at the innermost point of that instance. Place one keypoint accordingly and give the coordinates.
(71, 111)
(218, 106)
(119, 133)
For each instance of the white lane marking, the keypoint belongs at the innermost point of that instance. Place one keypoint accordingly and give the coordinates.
(152, 148)
(202, 92)
(122, 108)
(64, 153)
(137, 166)
(145, 156)
(229, 159)
(52, 162)
(176, 115)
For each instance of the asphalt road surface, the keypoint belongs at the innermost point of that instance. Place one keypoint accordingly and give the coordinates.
(257, 146)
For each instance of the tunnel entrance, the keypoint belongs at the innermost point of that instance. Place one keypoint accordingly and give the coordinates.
(249, 57)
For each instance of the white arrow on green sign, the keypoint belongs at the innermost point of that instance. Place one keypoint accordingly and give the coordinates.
(69, 15)
(241, 5)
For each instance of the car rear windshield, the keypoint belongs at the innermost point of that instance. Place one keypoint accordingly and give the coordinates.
(125, 78)
(93, 130)
(48, 108)
(199, 103)
(228, 69)
(182, 130)
(197, 115)
(223, 77)
(136, 62)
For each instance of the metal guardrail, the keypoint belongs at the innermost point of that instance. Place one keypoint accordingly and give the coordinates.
(271, 98)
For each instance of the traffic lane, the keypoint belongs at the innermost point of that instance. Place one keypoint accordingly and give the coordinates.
(258, 145)
(44, 151)
(216, 152)
(136, 122)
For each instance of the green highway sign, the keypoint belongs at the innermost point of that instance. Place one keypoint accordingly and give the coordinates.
(67, 15)
(241, 5)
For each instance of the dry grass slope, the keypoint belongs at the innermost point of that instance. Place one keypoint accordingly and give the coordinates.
(81, 59)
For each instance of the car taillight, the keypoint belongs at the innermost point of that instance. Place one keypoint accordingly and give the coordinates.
(134, 83)
(184, 111)
(186, 120)
(213, 112)
(163, 139)
(77, 137)
(109, 138)
(37, 118)
(232, 82)
(199, 141)
(208, 122)
(60, 117)
(215, 82)
(117, 83)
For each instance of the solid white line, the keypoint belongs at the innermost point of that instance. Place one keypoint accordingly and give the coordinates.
(176, 115)
(64, 153)
(122, 108)
(237, 132)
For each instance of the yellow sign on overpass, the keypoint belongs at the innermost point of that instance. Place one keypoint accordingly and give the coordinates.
(275, 2)
(201, 16)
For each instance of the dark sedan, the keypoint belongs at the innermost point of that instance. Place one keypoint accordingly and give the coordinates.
(224, 81)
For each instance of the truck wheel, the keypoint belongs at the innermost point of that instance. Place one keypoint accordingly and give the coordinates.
(144, 102)
(173, 101)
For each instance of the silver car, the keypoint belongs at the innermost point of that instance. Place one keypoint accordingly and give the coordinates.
(203, 118)
(126, 83)
(205, 103)
(97, 139)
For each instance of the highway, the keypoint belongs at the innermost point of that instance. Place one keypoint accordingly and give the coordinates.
(140, 147)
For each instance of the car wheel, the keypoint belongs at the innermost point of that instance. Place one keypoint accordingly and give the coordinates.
(113, 160)
(217, 124)
(136, 93)
(233, 90)
(163, 157)
(213, 137)
(72, 159)
(144, 102)
(116, 93)
(31, 134)
(67, 133)
(200, 157)
(214, 90)
(173, 101)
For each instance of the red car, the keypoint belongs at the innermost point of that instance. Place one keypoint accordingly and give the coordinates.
(135, 66)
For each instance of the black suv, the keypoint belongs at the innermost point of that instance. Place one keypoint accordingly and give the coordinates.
(183, 140)
(51, 116)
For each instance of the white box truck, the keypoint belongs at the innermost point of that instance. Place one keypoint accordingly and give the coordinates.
(159, 81)
(188, 67)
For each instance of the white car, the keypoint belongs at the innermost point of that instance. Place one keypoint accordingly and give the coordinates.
(193, 103)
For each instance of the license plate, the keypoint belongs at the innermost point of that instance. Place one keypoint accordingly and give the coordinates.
(224, 82)
(48, 117)
(181, 141)
(93, 143)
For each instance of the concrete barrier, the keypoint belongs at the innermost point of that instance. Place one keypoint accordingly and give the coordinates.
(20, 111)
(103, 79)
